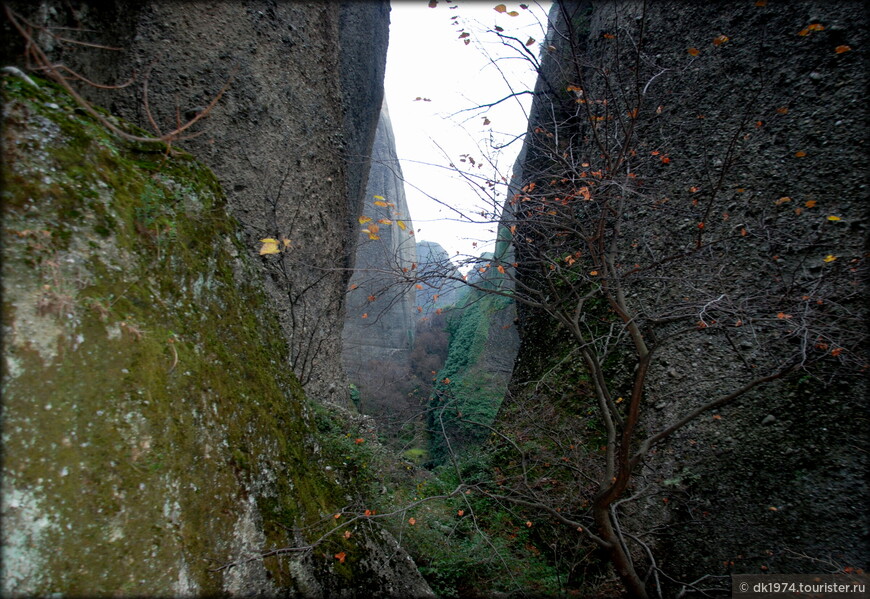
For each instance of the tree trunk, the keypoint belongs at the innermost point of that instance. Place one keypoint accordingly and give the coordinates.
(634, 586)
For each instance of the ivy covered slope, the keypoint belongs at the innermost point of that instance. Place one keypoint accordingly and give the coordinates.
(151, 430)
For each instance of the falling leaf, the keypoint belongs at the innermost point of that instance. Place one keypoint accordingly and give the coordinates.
(418, 286)
(270, 246)
(810, 203)
(500, 8)
(833, 218)
(829, 258)
(286, 242)
(530, 41)
(412, 521)
(701, 225)
(340, 557)
(693, 51)
(800, 154)
(841, 49)
(743, 232)
(419, 309)
(720, 39)
(499, 29)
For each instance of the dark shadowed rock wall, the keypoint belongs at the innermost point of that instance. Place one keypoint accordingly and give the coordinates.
(773, 482)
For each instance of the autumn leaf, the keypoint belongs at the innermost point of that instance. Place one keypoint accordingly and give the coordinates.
(782, 110)
(464, 35)
(528, 523)
(720, 39)
(693, 51)
(412, 521)
(665, 160)
(347, 534)
(761, 3)
(784, 316)
(782, 200)
(446, 381)
(486, 121)
(833, 218)
(367, 513)
(418, 286)
(365, 315)
(500, 8)
(608, 36)
(385, 221)
(364, 219)
(460, 513)
(340, 557)
(382, 204)
(829, 258)
(837, 351)
(513, 13)
(501, 269)
(372, 298)
(359, 441)
(800, 154)
(433, 3)
(593, 273)
(400, 224)
(810, 203)
(530, 41)
(841, 49)
(337, 516)
(270, 246)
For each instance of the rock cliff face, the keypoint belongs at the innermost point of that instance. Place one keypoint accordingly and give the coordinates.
(151, 433)
(289, 140)
(435, 266)
(380, 308)
(153, 428)
(747, 125)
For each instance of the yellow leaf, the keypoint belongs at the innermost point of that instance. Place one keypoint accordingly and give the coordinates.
(833, 218)
(500, 8)
(286, 242)
(401, 225)
(270, 246)
(374, 237)
(513, 13)
(379, 197)
(381, 204)
(385, 221)
(829, 258)
(364, 219)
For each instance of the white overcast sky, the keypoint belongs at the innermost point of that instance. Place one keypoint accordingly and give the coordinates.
(427, 59)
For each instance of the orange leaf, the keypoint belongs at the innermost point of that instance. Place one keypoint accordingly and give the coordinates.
(501, 269)
(347, 534)
(608, 36)
(446, 381)
(841, 49)
(337, 516)
(720, 39)
(717, 417)
(460, 513)
(761, 3)
(594, 273)
(743, 232)
(419, 309)
(412, 521)
(359, 441)
(665, 160)
(783, 316)
(372, 298)
(836, 351)
(418, 286)
(368, 513)
(340, 557)
(364, 219)
(800, 154)
(500, 8)
(693, 51)
(366, 315)
(528, 523)
(782, 200)
(810, 203)
(782, 110)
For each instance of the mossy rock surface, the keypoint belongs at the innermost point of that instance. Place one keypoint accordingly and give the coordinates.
(151, 428)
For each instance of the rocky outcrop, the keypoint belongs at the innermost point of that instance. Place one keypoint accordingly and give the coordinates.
(729, 142)
(380, 305)
(289, 139)
(154, 441)
(439, 278)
